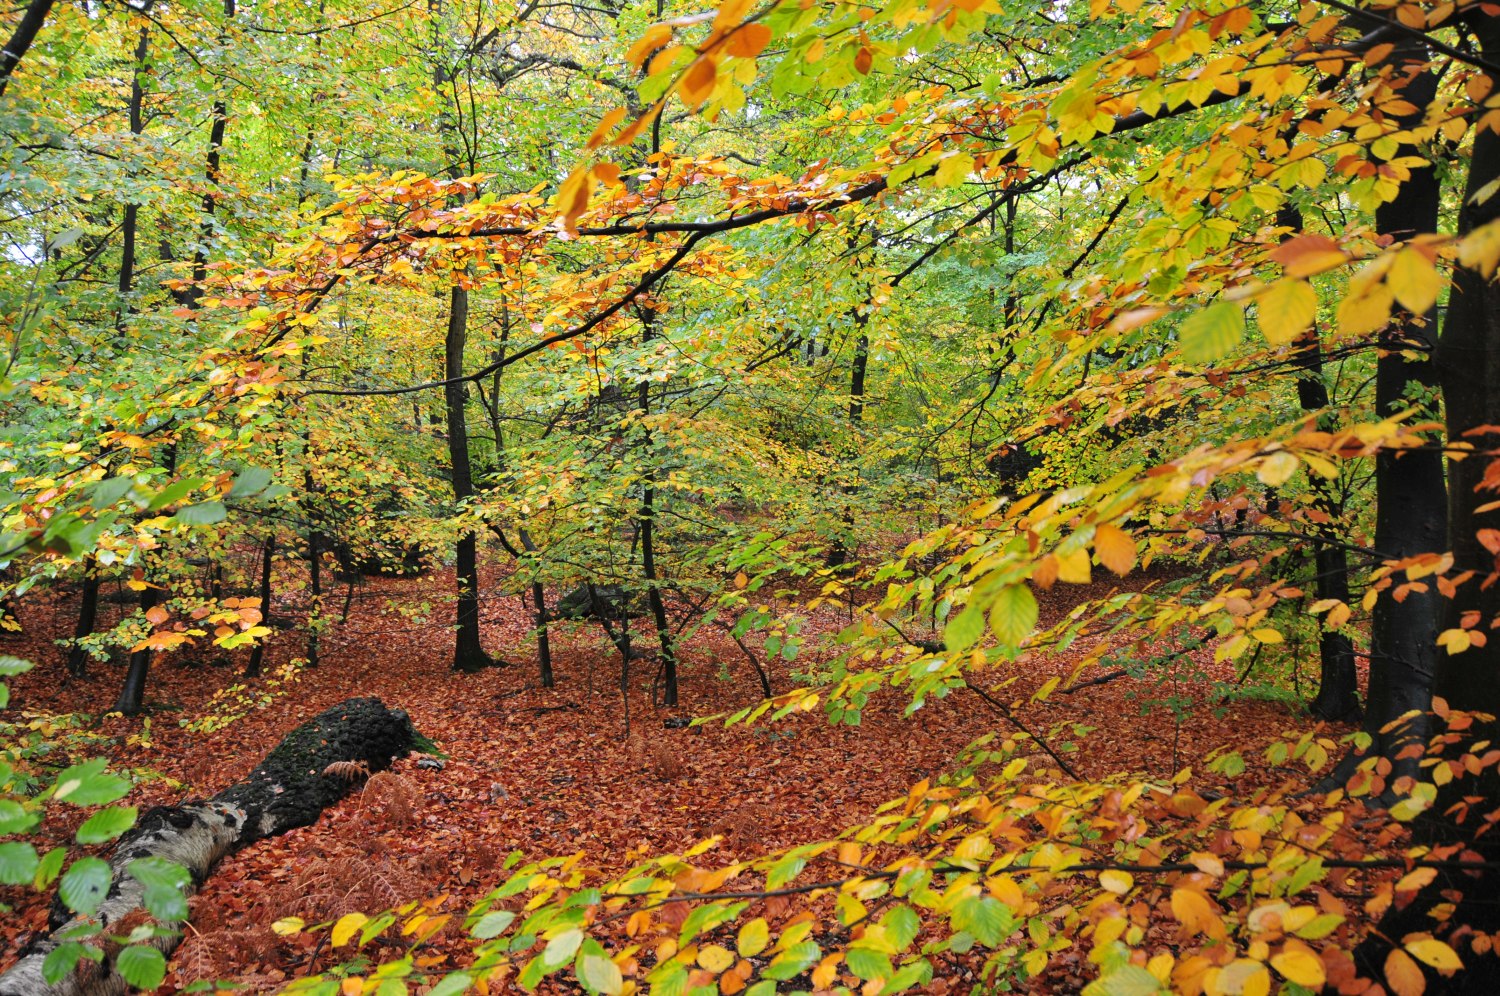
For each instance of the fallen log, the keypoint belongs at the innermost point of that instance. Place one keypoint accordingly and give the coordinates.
(288, 789)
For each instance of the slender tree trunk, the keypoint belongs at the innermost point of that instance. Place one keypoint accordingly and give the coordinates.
(1338, 689)
(133, 692)
(25, 34)
(315, 582)
(132, 210)
(267, 559)
(88, 614)
(468, 653)
(211, 173)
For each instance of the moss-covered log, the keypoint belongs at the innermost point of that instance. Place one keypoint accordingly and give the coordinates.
(288, 789)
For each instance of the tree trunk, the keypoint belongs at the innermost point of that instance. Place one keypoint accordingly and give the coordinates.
(25, 34)
(1468, 361)
(211, 171)
(468, 653)
(133, 692)
(1338, 688)
(267, 560)
(288, 789)
(88, 613)
(1411, 510)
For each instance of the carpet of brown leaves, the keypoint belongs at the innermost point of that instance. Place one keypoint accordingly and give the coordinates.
(548, 771)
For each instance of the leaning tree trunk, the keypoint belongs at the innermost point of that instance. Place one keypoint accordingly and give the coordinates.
(288, 789)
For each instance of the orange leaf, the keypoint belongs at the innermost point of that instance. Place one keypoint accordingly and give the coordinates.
(156, 615)
(749, 41)
(698, 82)
(1403, 975)
(605, 126)
(655, 37)
(1115, 548)
(573, 197)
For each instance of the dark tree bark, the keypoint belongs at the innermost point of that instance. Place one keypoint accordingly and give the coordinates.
(88, 614)
(25, 34)
(1411, 510)
(315, 583)
(133, 691)
(1338, 687)
(468, 653)
(288, 789)
(129, 225)
(267, 561)
(211, 172)
(1468, 361)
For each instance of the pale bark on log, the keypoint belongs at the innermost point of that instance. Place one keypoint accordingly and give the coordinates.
(286, 790)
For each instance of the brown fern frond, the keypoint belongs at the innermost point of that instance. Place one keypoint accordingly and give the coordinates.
(349, 771)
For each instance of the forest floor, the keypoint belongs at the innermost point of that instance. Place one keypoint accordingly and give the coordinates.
(552, 771)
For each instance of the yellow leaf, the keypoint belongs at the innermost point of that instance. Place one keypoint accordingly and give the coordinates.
(1403, 975)
(1414, 280)
(1286, 310)
(827, 971)
(1277, 468)
(1074, 567)
(1431, 951)
(346, 928)
(1267, 635)
(1300, 966)
(716, 959)
(1115, 548)
(288, 925)
(1365, 311)
(1117, 882)
(573, 197)
(754, 937)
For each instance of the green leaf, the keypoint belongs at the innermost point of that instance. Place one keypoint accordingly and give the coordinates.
(1128, 980)
(964, 629)
(107, 824)
(203, 514)
(599, 974)
(901, 926)
(453, 983)
(868, 964)
(164, 881)
(18, 863)
(1210, 334)
(110, 490)
(142, 966)
(49, 867)
(1014, 614)
(251, 481)
(84, 885)
(793, 961)
(16, 818)
(88, 784)
(987, 918)
(559, 951)
(173, 493)
(13, 665)
(492, 924)
(62, 959)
